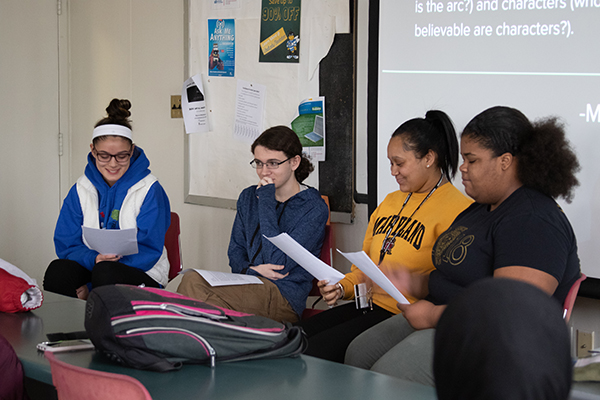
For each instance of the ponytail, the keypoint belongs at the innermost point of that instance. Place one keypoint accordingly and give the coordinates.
(434, 132)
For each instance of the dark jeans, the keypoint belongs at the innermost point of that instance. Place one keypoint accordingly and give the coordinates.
(330, 332)
(66, 276)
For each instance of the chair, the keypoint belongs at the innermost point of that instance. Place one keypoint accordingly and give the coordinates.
(571, 296)
(326, 200)
(75, 383)
(173, 246)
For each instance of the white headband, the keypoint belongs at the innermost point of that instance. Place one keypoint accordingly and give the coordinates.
(111, 129)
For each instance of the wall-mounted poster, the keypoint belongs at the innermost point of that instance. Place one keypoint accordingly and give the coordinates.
(309, 125)
(280, 31)
(193, 105)
(221, 47)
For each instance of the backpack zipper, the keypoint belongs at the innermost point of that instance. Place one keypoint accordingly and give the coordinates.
(211, 351)
(179, 310)
(204, 320)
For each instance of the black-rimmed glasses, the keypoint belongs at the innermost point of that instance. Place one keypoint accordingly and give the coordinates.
(269, 164)
(105, 157)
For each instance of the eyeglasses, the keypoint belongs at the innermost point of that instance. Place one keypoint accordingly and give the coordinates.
(105, 157)
(269, 164)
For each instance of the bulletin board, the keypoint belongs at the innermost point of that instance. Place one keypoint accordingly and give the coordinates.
(217, 165)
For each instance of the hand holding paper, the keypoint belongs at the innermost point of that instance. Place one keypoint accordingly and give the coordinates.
(306, 259)
(366, 265)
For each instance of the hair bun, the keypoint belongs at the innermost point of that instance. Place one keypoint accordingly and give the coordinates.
(119, 109)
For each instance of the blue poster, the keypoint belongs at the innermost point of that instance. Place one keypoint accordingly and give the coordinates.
(221, 47)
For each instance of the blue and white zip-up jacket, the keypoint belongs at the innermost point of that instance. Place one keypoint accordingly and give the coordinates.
(303, 217)
(136, 200)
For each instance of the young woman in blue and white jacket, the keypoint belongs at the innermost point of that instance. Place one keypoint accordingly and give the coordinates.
(116, 191)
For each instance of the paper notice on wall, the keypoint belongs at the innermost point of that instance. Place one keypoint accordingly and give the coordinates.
(225, 4)
(249, 111)
(193, 106)
(309, 125)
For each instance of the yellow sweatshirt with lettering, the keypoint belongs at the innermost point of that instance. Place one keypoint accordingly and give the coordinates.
(414, 240)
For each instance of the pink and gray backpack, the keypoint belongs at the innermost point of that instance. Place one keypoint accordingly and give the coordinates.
(158, 330)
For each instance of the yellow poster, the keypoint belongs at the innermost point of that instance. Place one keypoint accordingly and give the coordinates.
(273, 41)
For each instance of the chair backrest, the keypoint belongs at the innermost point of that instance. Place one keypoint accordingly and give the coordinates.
(571, 296)
(326, 200)
(75, 383)
(173, 246)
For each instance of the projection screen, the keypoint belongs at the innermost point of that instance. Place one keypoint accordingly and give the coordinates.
(540, 56)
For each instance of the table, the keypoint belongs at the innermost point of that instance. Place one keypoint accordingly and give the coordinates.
(302, 377)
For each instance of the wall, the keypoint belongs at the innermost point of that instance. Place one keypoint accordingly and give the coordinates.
(29, 126)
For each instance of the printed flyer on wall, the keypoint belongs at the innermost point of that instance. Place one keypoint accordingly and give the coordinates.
(193, 105)
(225, 4)
(249, 111)
(221, 47)
(309, 125)
(280, 31)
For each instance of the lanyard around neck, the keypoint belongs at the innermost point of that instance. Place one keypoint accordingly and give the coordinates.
(387, 241)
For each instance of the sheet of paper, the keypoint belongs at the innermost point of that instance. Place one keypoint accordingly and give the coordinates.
(366, 265)
(249, 111)
(583, 362)
(306, 259)
(122, 242)
(215, 278)
(193, 105)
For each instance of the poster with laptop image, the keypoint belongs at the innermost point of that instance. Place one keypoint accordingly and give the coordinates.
(309, 125)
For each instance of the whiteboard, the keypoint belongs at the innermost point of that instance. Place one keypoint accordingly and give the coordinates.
(465, 56)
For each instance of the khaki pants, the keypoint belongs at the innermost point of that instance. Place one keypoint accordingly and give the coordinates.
(265, 300)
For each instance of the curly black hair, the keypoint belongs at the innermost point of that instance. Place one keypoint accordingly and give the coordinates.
(545, 160)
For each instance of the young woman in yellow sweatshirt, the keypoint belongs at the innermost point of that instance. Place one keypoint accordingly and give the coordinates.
(423, 154)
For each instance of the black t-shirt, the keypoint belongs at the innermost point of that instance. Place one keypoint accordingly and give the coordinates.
(527, 229)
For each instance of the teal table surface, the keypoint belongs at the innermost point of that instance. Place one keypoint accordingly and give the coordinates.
(302, 377)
